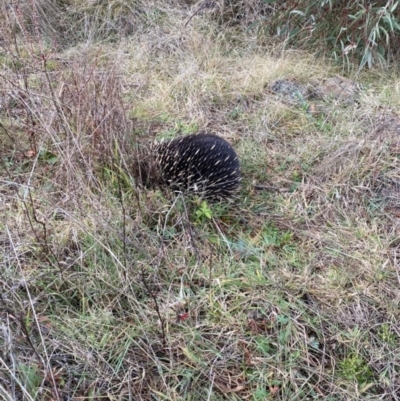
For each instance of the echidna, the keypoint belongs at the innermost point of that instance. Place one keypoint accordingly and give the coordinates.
(200, 163)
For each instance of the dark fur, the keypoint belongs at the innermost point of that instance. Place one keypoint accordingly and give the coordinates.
(200, 163)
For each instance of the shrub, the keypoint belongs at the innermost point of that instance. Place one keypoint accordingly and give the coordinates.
(360, 29)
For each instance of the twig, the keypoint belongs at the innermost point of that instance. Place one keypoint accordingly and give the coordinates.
(189, 227)
(157, 308)
(206, 4)
(121, 200)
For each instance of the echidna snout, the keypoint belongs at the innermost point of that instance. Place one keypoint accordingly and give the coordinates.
(201, 163)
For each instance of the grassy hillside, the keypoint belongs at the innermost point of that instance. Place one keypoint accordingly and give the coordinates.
(112, 291)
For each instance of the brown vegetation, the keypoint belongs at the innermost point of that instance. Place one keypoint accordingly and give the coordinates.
(109, 291)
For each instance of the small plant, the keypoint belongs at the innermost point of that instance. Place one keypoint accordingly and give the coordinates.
(47, 157)
(388, 335)
(31, 378)
(273, 237)
(353, 367)
(260, 394)
(203, 213)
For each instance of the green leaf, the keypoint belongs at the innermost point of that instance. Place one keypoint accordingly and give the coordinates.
(389, 21)
(396, 24)
(294, 32)
(31, 378)
(394, 6)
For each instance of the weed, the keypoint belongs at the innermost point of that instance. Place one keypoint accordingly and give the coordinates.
(204, 212)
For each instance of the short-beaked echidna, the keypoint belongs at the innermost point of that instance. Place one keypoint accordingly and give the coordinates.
(201, 163)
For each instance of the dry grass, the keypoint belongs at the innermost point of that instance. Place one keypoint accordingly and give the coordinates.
(114, 292)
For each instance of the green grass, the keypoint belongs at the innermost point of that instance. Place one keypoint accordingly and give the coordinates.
(111, 291)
